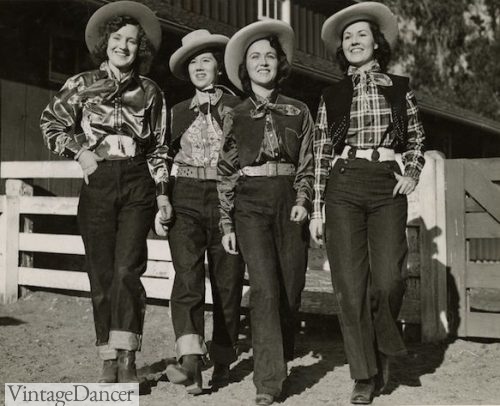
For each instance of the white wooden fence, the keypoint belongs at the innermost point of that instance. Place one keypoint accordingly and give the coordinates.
(425, 302)
(17, 241)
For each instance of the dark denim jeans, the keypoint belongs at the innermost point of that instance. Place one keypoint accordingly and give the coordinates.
(275, 251)
(195, 231)
(367, 249)
(115, 213)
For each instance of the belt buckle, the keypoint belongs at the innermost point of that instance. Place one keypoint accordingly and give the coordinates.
(201, 173)
(351, 154)
(272, 169)
(375, 155)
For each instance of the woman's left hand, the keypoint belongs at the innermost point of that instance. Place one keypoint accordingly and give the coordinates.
(298, 214)
(405, 185)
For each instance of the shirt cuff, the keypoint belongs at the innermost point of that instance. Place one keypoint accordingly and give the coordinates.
(316, 215)
(226, 227)
(302, 200)
(413, 173)
(161, 188)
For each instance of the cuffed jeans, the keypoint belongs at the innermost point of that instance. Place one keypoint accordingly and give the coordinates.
(115, 213)
(195, 232)
(367, 249)
(275, 251)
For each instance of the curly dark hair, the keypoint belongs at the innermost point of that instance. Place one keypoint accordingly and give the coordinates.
(145, 50)
(219, 58)
(382, 54)
(284, 68)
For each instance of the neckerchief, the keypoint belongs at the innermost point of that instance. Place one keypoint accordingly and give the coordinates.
(362, 78)
(106, 87)
(264, 107)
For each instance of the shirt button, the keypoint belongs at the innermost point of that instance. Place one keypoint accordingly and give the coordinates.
(342, 170)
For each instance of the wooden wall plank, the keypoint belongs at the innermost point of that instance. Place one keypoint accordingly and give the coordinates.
(66, 206)
(471, 206)
(481, 275)
(482, 190)
(72, 244)
(484, 325)
(455, 235)
(40, 169)
(481, 225)
(490, 167)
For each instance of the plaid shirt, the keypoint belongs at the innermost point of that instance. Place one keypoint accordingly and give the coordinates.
(370, 117)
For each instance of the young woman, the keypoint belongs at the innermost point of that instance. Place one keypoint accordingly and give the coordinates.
(112, 121)
(265, 192)
(194, 146)
(362, 122)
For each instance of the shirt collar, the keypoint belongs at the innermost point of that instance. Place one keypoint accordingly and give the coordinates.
(203, 97)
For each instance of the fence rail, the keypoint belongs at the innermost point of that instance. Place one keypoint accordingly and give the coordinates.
(20, 243)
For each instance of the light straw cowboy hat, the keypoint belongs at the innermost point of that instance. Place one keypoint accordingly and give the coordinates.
(238, 44)
(193, 43)
(371, 11)
(143, 14)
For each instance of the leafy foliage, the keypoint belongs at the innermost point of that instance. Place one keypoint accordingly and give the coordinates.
(451, 49)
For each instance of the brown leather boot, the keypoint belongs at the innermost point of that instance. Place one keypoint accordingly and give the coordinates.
(127, 372)
(109, 371)
(187, 372)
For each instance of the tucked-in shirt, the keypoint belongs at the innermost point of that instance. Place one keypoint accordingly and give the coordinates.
(117, 119)
(272, 150)
(201, 143)
(370, 118)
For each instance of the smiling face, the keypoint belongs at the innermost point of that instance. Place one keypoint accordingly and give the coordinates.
(358, 43)
(262, 63)
(122, 47)
(203, 70)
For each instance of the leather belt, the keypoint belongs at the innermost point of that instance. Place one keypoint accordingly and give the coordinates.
(195, 172)
(371, 154)
(269, 169)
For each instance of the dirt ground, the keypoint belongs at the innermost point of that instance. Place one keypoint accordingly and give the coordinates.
(48, 337)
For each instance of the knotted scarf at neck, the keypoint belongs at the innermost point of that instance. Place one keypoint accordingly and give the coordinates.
(264, 107)
(106, 87)
(362, 78)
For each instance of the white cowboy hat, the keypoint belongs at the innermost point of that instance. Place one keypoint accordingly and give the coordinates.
(371, 11)
(239, 43)
(192, 43)
(143, 14)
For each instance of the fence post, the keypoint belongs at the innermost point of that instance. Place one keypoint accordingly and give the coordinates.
(9, 239)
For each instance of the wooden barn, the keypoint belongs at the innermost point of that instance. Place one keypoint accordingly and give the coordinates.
(454, 224)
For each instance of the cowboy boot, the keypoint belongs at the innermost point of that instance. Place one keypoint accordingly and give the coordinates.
(127, 372)
(187, 373)
(109, 371)
(220, 376)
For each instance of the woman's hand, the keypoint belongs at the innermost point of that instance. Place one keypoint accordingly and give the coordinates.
(88, 161)
(298, 214)
(405, 185)
(316, 230)
(164, 215)
(229, 243)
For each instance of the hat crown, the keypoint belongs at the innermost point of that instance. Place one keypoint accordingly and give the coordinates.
(193, 36)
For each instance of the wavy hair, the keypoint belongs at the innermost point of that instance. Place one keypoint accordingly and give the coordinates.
(284, 67)
(382, 54)
(145, 50)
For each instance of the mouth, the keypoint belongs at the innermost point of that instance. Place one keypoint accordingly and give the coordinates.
(356, 50)
(121, 54)
(200, 75)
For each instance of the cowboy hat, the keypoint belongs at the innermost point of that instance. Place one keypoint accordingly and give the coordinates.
(334, 26)
(192, 43)
(239, 43)
(143, 14)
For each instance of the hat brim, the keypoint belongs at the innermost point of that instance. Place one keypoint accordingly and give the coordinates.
(143, 14)
(378, 13)
(239, 43)
(179, 58)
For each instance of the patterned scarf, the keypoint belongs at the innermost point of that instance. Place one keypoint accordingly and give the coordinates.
(361, 79)
(266, 107)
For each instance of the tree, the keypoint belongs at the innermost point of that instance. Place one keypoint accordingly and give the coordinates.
(451, 49)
